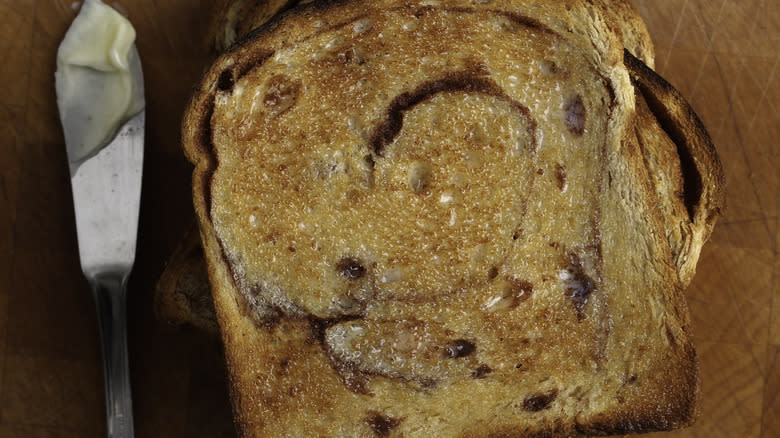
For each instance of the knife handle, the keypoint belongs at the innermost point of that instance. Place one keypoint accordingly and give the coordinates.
(110, 290)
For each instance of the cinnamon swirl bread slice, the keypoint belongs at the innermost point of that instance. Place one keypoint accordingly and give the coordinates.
(435, 218)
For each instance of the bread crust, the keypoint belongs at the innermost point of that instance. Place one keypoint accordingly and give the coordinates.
(234, 19)
(703, 185)
(182, 295)
(284, 369)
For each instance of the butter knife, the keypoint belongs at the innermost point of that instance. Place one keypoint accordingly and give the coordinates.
(106, 197)
(99, 84)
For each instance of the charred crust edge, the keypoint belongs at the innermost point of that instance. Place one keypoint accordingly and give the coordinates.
(207, 146)
(249, 62)
(650, 84)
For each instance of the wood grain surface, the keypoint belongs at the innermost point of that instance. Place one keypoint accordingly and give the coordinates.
(722, 55)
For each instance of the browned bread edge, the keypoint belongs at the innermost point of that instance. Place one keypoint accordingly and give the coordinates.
(703, 177)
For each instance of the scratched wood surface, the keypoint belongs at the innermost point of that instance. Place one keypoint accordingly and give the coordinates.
(722, 55)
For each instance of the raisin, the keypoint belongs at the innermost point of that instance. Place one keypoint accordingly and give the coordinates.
(459, 348)
(381, 425)
(351, 268)
(578, 285)
(538, 402)
(560, 176)
(281, 95)
(481, 371)
(575, 116)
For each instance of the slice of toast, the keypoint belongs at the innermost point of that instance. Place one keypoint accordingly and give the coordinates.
(438, 218)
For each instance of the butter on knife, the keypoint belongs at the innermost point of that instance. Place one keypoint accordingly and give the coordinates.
(99, 80)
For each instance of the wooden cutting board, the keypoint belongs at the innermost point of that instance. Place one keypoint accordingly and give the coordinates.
(722, 55)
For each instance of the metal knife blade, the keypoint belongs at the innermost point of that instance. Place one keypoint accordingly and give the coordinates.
(106, 197)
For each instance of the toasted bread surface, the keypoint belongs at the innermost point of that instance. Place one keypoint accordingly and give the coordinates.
(437, 218)
(232, 20)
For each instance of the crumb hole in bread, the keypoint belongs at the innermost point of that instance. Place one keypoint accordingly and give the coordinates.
(450, 197)
(473, 160)
(548, 68)
(459, 348)
(382, 425)
(492, 273)
(346, 304)
(362, 25)
(420, 174)
(353, 56)
(351, 268)
(575, 115)
(392, 275)
(225, 81)
(409, 25)
(538, 402)
(508, 294)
